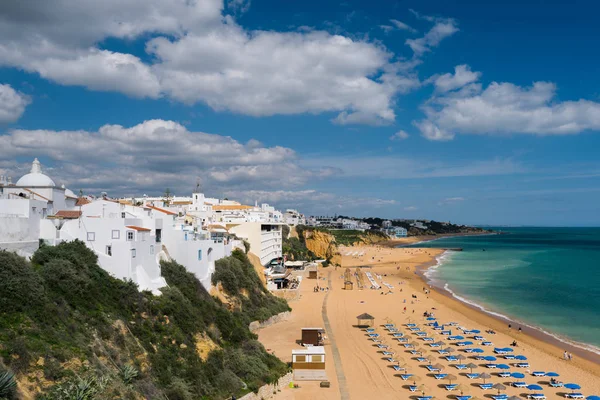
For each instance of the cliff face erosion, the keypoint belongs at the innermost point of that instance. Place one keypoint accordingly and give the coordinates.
(323, 245)
(69, 330)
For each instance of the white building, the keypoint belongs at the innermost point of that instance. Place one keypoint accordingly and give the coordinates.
(293, 218)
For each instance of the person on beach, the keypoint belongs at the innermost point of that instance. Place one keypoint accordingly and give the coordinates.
(509, 327)
(520, 330)
(566, 356)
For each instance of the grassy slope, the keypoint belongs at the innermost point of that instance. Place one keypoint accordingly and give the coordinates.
(67, 326)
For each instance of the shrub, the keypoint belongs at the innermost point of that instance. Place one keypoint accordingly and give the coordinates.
(20, 286)
(8, 385)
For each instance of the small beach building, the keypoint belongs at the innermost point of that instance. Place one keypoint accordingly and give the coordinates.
(365, 319)
(313, 336)
(309, 364)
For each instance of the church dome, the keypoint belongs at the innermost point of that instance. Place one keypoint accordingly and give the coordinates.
(35, 177)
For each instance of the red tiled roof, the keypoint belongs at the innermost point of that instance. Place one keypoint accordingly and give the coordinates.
(138, 228)
(68, 214)
(161, 210)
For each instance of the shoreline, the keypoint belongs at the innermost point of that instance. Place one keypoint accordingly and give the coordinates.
(415, 240)
(500, 322)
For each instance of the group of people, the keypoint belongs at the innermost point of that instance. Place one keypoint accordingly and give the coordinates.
(568, 356)
(320, 289)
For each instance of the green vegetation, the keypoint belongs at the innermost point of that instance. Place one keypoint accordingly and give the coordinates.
(348, 237)
(295, 247)
(73, 331)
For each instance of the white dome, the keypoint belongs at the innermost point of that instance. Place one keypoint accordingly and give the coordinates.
(35, 177)
(69, 193)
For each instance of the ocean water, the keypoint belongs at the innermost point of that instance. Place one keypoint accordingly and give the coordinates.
(548, 278)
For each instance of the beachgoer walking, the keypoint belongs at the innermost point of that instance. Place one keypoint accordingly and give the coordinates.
(520, 330)
(509, 327)
(570, 357)
(566, 356)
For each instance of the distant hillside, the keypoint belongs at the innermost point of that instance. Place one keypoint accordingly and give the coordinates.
(70, 331)
(415, 227)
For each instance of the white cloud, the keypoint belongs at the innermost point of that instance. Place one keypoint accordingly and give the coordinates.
(410, 208)
(451, 200)
(461, 77)
(503, 108)
(198, 54)
(400, 135)
(402, 26)
(442, 29)
(156, 154)
(12, 104)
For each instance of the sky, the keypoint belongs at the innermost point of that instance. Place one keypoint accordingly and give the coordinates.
(466, 111)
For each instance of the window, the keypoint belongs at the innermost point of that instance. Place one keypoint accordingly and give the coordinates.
(129, 235)
(123, 215)
(151, 249)
(109, 250)
(132, 253)
(116, 234)
(300, 358)
(91, 236)
(199, 255)
(317, 358)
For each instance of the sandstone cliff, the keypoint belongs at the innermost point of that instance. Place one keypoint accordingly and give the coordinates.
(323, 245)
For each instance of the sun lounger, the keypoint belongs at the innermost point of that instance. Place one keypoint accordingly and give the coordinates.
(500, 396)
(407, 345)
(451, 387)
(451, 358)
(440, 376)
(501, 351)
(460, 366)
(414, 352)
(510, 357)
(486, 386)
(519, 384)
(383, 346)
(574, 396)
(452, 323)
(468, 350)
(504, 374)
(421, 334)
(405, 377)
(431, 368)
(538, 373)
(373, 335)
(411, 325)
(424, 397)
(480, 358)
(414, 329)
(463, 397)
(390, 359)
(438, 328)
(480, 338)
(397, 368)
(421, 359)
(556, 384)
(402, 340)
(370, 330)
(434, 345)
(472, 376)
(487, 344)
(397, 335)
(428, 339)
(387, 353)
(491, 365)
(446, 333)
(536, 396)
(523, 365)
(412, 388)
(443, 352)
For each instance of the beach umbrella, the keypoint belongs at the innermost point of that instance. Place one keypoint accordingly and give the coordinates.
(503, 366)
(475, 331)
(449, 349)
(460, 357)
(484, 376)
(457, 337)
(421, 350)
(430, 319)
(552, 374)
(592, 398)
(499, 387)
(415, 379)
(521, 358)
(451, 377)
(534, 387)
(423, 389)
(517, 375)
(430, 359)
(471, 366)
(463, 388)
(507, 349)
(513, 398)
(478, 350)
(490, 358)
(467, 343)
(439, 343)
(414, 343)
(572, 386)
(438, 366)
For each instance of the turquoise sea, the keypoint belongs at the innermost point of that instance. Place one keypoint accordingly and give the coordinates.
(548, 278)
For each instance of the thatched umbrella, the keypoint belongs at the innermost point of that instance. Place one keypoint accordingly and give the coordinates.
(449, 349)
(423, 389)
(438, 366)
(463, 388)
(460, 357)
(471, 366)
(430, 359)
(421, 350)
(499, 387)
(484, 376)
(413, 343)
(415, 379)
(512, 398)
(451, 377)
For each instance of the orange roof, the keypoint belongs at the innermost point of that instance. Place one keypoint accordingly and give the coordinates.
(231, 207)
(161, 210)
(138, 228)
(68, 214)
(183, 202)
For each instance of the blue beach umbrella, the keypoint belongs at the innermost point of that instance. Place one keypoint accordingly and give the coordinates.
(534, 387)
(502, 366)
(508, 349)
(572, 386)
(467, 343)
(456, 337)
(474, 331)
(490, 358)
(477, 350)
(517, 375)
(522, 358)
(592, 398)
(430, 319)
(553, 374)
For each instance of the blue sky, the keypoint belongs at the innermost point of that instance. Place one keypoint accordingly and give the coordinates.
(468, 111)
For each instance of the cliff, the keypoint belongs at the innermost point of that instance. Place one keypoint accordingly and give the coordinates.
(323, 245)
(67, 329)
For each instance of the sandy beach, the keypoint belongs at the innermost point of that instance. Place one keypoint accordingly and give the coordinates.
(357, 368)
